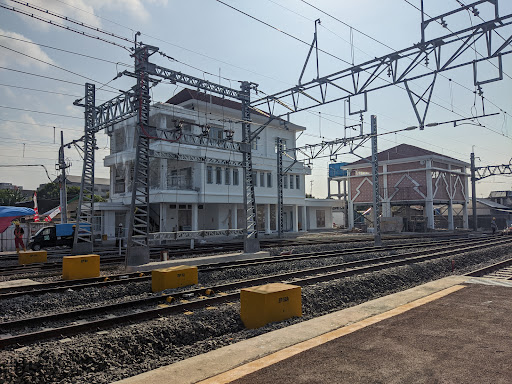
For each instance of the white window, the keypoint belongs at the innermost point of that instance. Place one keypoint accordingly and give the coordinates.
(297, 181)
(254, 144)
(291, 181)
(262, 179)
(235, 176)
(269, 180)
(285, 181)
(218, 175)
(255, 178)
(227, 178)
(209, 174)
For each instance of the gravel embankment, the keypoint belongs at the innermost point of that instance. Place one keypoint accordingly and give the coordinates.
(128, 350)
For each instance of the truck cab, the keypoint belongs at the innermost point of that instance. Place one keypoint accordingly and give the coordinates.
(53, 236)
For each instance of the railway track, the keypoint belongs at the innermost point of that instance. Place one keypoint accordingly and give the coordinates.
(105, 316)
(499, 271)
(128, 277)
(110, 257)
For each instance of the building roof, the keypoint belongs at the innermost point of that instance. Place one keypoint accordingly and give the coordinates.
(97, 180)
(492, 204)
(190, 94)
(500, 194)
(403, 151)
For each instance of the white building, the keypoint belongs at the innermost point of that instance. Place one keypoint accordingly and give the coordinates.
(191, 195)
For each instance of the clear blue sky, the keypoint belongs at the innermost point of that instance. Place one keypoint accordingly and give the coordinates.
(211, 39)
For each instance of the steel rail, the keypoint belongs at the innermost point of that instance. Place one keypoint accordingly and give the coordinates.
(57, 286)
(490, 269)
(297, 278)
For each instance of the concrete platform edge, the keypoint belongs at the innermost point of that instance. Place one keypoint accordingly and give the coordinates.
(210, 364)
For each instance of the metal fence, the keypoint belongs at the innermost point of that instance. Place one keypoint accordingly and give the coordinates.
(7, 237)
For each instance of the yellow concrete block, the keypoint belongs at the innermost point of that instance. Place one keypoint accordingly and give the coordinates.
(268, 303)
(173, 277)
(80, 267)
(28, 257)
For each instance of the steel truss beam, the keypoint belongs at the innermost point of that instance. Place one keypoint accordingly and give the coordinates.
(493, 170)
(398, 66)
(198, 159)
(176, 136)
(83, 236)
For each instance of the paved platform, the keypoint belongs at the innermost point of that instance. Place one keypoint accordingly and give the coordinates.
(453, 330)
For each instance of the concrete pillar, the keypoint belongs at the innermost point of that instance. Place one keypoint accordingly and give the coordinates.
(163, 218)
(429, 200)
(350, 204)
(386, 204)
(195, 217)
(234, 214)
(295, 210)
(267, 219)
(328, 187)
(386, 209)
(450, 216)
(465, 218)
(304, 219)
(339, 189)
(163, 174)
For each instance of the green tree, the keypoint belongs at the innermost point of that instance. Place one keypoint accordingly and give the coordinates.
(10, 196)
(51, 191)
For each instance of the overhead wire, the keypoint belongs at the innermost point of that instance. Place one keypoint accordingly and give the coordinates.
(63, 26)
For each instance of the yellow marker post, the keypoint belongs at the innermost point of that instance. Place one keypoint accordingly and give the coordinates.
(173, 277)
(268, 303)
(80, 267)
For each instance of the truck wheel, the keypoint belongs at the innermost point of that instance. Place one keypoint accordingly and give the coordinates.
(36, 247)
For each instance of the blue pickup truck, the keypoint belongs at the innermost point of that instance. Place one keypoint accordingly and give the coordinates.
(56, 235)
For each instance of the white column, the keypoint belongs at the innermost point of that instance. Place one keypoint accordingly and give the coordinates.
(163, 217)
(429, 200)
(235, 216)
(304, 219)
(163, 174)
(195, 217)
(267, 219)
(450, 215)
(466, 203)
(465, 219)
(295, 210)
(350, 203)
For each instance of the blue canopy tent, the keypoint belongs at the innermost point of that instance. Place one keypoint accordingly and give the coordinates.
(8, 214)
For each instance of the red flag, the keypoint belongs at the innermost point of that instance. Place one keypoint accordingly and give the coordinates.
(36, 214)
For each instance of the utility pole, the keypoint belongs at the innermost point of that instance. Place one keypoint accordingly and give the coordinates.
(62, 183)
(375, 174)
(473, 191)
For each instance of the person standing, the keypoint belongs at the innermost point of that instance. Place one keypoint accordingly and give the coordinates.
(494, 227)
(18, 237)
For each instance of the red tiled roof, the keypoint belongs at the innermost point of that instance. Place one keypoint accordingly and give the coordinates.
(402, 151)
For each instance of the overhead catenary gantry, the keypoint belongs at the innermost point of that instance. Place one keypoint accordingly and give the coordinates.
(479, 173)
(403, 66)
(136, 102)
(346, 84)
(399, 67)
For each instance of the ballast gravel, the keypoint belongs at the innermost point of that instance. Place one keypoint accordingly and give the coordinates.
(131, 349)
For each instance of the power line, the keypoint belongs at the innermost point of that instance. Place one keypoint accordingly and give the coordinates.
(42, 90)
(63, 26)
(67, 51)
(280, 31)
(387, 46)
(55, 66)
(45, 113)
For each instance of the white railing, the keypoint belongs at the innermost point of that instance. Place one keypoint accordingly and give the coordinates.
(184, 235)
